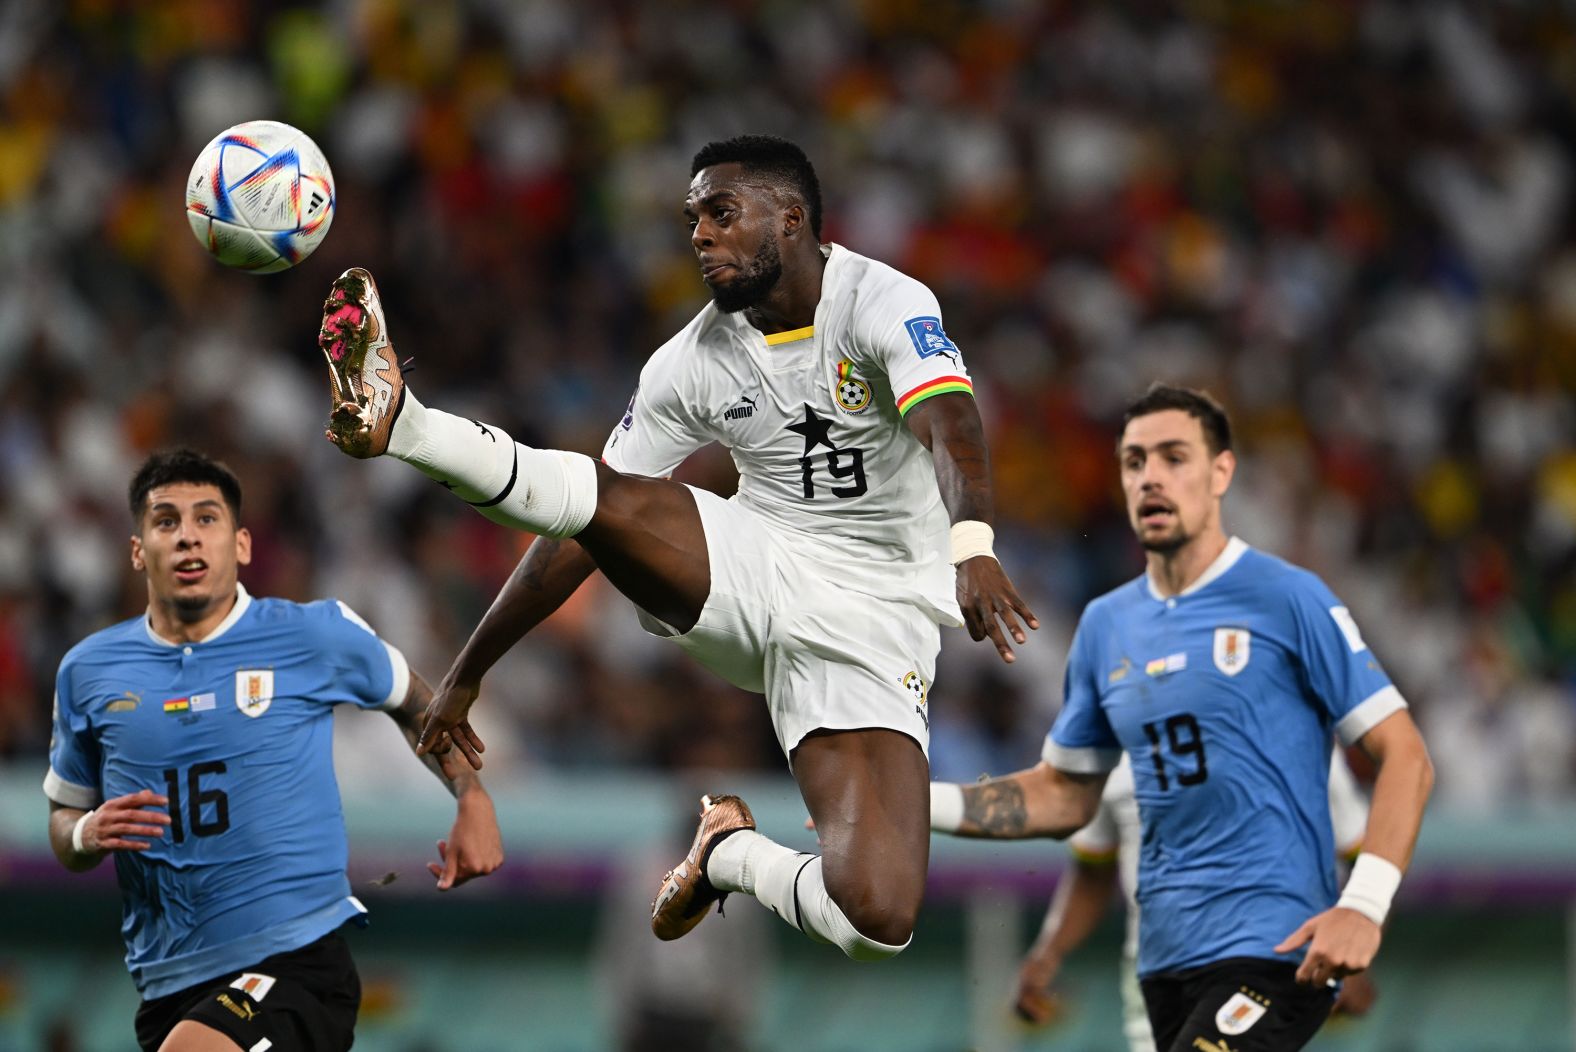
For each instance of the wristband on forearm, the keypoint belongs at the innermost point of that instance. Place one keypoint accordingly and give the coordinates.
(76, 833)
(946, 806)
(1370, 888)
(970, 538)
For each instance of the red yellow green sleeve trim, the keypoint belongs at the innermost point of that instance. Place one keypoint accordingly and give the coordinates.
(931, 388)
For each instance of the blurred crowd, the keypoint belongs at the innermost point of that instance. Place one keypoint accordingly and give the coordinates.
(1351, 221)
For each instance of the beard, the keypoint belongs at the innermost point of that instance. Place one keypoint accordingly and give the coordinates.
(1167, 544)
(751, 283)
(192, 607)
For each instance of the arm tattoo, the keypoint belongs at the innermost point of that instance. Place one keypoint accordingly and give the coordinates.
(996, 808)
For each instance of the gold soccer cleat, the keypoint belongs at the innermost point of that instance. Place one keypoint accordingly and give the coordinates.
(364, 376)
(686, 895)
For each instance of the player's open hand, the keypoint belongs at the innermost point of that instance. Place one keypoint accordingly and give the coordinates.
(126, 823)
(474, 847)
(1340, 942)
(991, 605)
(1035, 1003)
(445, 725)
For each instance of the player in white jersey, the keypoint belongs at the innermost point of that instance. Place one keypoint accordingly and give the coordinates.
(864, 480)
(1105, 853)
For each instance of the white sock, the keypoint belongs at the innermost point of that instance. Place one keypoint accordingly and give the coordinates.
(789, 883)
(545, 491)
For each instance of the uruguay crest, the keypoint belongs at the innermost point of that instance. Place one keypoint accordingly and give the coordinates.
(1231, 649)
(1238, 1014)
(254, 690)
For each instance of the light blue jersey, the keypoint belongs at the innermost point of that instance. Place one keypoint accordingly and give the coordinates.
(237, 731)
(1225, 698)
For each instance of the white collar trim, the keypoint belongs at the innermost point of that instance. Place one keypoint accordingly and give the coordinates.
(243, 600)
(1235, 548)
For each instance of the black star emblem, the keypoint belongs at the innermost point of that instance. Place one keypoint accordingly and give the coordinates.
(814, 429)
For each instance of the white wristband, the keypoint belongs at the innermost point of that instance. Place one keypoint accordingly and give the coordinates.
(946, 806)
(76, 833)
(970, 538)
(1371, 887)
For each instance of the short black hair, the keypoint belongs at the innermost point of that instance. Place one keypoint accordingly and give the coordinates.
(183, 465)
(768, 155)
(1197, 404)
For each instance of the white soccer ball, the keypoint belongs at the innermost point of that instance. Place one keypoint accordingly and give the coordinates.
(260, 197)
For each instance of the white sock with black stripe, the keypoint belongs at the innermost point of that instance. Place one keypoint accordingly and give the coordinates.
(545, 491)
(789, 883)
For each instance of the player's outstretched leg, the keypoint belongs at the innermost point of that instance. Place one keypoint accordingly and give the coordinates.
(644, 534)
(863, 892)
(546, 491)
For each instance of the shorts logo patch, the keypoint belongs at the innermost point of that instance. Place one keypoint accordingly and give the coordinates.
(1232, 649)
(240, 1009)
(1238, 1014)
(915, 684)
(852, 393)
(254, 690)
(629, 413)
(930, 339)
(1348, 626)
(253, 985)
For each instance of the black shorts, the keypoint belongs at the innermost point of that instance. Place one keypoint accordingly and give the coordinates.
(299, 1001)
(1244, 1004)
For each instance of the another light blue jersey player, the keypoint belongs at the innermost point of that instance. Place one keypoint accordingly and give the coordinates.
(1225, 696)
(194, 744)
(1223, 673)
(237, 731)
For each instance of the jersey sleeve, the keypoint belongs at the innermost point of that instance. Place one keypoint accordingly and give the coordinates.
(656, 432)
(903, 330)
(1081, 740)
(1338, 668)
(372, 674)
(73, 775)
(1348, 808)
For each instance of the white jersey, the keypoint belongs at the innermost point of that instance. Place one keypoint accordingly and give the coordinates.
(814, 421)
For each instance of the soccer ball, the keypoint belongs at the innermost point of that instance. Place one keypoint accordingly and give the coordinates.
(260, 197)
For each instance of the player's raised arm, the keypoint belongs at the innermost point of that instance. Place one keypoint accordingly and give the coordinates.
(1038, 801)
(949, 426)
(548, 574)
(474, 847)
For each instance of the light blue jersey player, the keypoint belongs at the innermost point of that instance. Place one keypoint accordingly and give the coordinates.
(1223, 673)
(1216, 692)
(195, 744)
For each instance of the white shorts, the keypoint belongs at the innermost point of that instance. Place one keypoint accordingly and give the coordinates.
(779, 623)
